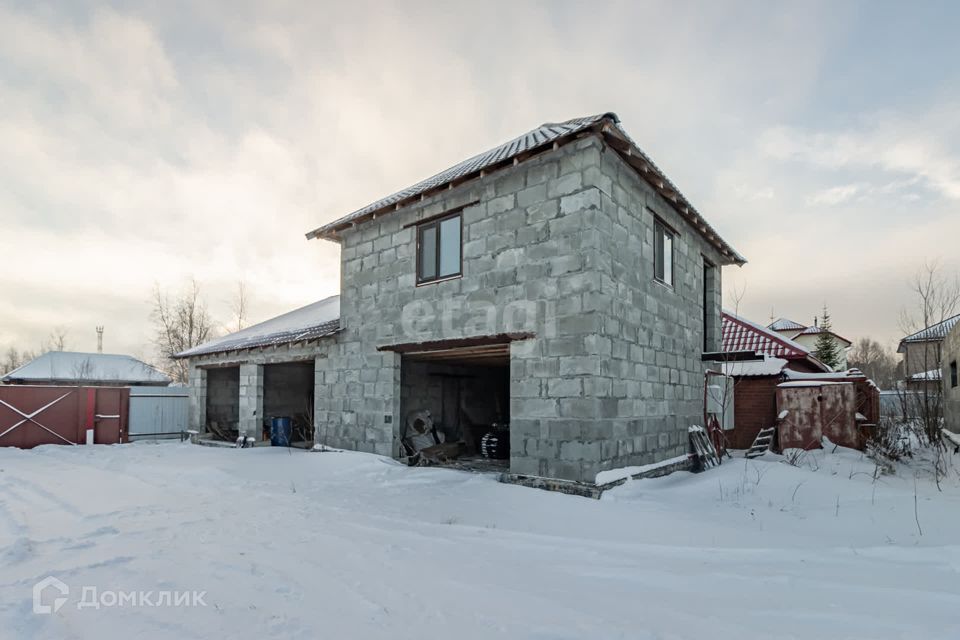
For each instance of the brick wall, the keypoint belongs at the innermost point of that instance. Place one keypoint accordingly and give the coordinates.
(755, 407)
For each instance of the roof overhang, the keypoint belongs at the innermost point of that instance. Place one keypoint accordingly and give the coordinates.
(731, 356)
(608, 129)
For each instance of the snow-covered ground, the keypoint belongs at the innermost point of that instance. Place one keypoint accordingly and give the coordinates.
(289, 544)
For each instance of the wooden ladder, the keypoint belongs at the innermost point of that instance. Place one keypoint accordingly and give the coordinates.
(703, 448)
(761, 444)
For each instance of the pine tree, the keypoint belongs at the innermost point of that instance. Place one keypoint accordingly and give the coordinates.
(826, 348)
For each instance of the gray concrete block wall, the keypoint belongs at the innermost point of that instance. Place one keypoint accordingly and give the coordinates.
(529, 264)
(197, 387)
(650, 386)
(251, 400)
(203, 368)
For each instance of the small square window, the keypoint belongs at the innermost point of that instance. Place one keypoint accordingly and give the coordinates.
(662, 253)
(438, 249)
(953, 373)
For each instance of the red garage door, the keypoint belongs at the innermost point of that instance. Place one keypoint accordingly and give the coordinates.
(31, 416)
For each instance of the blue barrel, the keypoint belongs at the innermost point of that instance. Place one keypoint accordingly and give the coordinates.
(281, 428)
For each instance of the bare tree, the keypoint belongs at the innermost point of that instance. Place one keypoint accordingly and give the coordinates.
(936, 297)
(727, 379)
(239, 306)
(13, 358)
(57, 341)
(875, 360)
(83, 371)
(180, 323)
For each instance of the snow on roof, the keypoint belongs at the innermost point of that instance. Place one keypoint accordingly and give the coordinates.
(810, 383)
(739, 334)
(77, 367)
(935, 332)
(785, 324)
(769, 366)
(853, 374)
(540, 138)
(809, 331)
(933, 374)
(317, 320)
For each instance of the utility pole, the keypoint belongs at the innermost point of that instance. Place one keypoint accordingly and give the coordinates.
(100, 339)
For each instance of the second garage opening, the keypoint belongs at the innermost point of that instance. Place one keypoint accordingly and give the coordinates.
(288, 393)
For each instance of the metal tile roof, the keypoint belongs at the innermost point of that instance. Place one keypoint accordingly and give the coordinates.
(542, 135)
(784, 324)
(739, 334)
(606, 124)
(934, 332)
(76, 367)
(317, 320)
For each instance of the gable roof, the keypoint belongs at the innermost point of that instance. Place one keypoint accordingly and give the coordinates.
(785, 324)
(811, 331)
(78, 367)
(312, 322)
(933, 333)
(739, 334)
(542, 138)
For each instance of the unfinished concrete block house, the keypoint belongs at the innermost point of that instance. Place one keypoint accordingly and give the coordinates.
(558, 287)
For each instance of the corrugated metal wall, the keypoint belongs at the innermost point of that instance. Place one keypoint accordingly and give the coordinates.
(158, 412)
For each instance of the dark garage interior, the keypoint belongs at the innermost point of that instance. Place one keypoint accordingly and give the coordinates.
(463, 394)
(223, 401)
(288, 392)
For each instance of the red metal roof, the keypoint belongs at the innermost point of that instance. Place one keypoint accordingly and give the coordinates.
(740, 334)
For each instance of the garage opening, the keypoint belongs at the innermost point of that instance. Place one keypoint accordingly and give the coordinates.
(455, 406)
(223, 402)
(288, 390)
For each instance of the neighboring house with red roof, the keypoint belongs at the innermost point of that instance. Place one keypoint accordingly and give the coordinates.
(807, 336)
(740, 334)
(755, 382)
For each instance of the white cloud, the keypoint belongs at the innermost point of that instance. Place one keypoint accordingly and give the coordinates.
(836, 195)
(141, 148)
(925, 147)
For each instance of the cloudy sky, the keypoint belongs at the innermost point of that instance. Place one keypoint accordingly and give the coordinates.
(149, 143)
